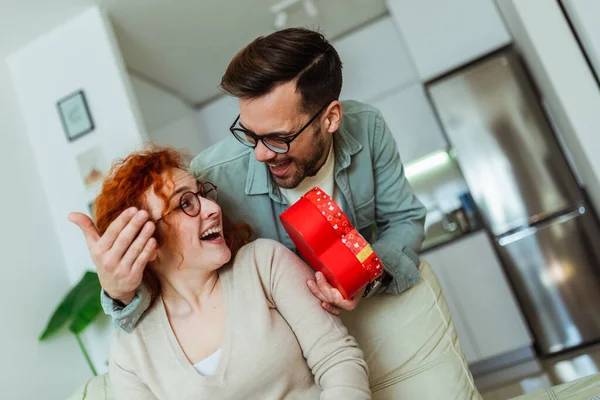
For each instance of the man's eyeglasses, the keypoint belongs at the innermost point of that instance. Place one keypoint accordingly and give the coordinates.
(189, 202)
(274, 142)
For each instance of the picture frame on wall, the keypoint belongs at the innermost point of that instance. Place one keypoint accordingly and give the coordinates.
(75, 115)
(92, 168)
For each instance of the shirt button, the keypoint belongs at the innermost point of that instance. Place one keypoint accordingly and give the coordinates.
(123, 321)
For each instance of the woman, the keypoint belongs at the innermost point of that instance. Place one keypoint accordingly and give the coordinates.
(229, 320)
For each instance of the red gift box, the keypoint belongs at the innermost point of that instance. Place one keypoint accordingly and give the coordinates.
(329, 243)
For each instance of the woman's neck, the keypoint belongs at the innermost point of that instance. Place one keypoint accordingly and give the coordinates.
(189, 290)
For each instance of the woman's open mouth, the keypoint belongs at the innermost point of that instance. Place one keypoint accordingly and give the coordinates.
(211, 234)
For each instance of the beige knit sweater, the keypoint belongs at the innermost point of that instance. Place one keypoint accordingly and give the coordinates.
(279, 343)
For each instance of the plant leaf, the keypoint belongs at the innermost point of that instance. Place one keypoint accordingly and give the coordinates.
(67, 307)
(87, 304)
(60, 317)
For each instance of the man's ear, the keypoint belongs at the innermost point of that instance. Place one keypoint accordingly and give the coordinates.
(333, 116)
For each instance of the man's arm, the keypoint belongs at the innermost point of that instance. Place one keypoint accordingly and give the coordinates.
(399, 215)
(121, 255)
(125, 316)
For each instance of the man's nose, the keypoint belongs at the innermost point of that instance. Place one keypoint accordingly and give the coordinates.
(263, 153)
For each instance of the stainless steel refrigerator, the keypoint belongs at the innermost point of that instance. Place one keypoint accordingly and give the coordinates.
(527, 196)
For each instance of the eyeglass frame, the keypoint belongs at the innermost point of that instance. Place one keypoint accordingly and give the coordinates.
(198, 194)
(284, 139)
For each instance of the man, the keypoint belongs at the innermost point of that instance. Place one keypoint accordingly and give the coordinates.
(293, 134)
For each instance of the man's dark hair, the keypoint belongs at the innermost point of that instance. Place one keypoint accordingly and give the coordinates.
(291, 54)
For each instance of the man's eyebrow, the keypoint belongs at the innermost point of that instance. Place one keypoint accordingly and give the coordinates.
(278, 133)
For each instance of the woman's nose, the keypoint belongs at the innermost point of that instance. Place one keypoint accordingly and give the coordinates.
(208, 208)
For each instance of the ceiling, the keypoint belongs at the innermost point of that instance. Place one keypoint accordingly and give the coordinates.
(183, 46)
(21, 21)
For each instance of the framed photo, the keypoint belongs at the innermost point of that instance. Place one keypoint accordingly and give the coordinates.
(75, 115)
(92, 168)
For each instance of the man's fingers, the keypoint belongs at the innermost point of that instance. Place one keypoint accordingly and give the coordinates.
(125, 236)
(147, 254)
(330, 309)
(324, 287)
(345, 304)
(85, 223)
(114, 229)
(138, 245)
(312, 285)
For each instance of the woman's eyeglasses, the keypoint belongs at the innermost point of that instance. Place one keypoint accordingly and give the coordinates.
(190, 203)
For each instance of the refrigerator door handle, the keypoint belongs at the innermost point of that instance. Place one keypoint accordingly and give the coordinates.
(532, 230)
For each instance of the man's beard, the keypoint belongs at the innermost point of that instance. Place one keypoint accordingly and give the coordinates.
(306, 168)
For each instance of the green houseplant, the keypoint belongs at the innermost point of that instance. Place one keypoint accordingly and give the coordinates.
(79, 308)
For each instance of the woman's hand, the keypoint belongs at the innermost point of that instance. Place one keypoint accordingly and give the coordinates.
(122, 253)
(331, 298)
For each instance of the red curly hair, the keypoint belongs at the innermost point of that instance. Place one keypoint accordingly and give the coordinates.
(131, 177)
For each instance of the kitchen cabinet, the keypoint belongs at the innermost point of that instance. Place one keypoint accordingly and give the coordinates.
(412, 122)
(441, 35)
(487, 318)
(374, 61)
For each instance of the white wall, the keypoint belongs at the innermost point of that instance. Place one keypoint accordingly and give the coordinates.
(564, 79)
(81, 54)
(172, 122)
(34, 277)
(216, 117)
(169, 120)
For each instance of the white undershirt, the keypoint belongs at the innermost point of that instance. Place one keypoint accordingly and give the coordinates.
(323, 179)
(208, 366)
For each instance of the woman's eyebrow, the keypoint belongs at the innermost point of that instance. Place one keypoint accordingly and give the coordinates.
(180, 189)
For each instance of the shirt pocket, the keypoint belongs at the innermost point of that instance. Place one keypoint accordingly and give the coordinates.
(365, 217)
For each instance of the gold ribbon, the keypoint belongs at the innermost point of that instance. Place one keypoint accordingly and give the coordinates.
(364, 253)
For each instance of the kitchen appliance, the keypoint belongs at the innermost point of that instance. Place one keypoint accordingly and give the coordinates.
(527, 196)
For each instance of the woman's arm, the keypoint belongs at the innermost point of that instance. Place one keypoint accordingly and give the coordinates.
(331, 353)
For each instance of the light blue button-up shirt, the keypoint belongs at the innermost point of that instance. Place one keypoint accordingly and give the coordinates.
(376, 197)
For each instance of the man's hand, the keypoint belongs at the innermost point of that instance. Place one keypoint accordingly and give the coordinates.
(331, 298)
(121, 254)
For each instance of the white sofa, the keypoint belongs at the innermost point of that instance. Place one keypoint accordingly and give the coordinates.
(582, 389)
(587, 388)
(96, 388)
